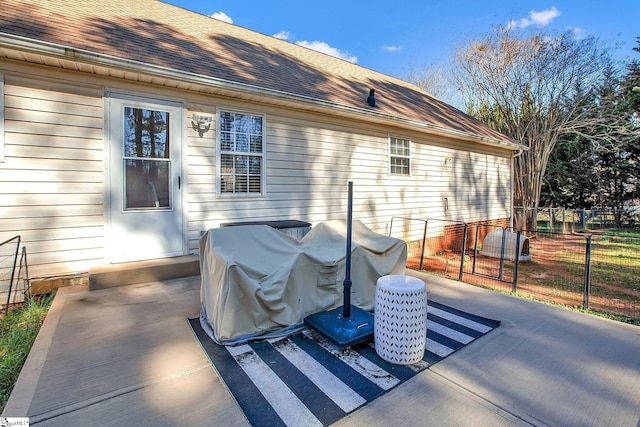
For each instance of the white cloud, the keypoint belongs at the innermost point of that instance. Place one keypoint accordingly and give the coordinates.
(325, 48)
(284, 35)
(221, 16)
(392, 48)
(578, 33)
(538, 18)
(317, 46)
(524, 22)
(544, 17)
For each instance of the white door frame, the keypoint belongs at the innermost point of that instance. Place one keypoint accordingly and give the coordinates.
(141, 245)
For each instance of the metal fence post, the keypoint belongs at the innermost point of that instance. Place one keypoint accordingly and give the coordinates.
(424, 241)
(23, 261)
(475, 250)
(13, 269)
(424, 235)
(504, 237)
(514, 288)
(464, 251)
(587, 274)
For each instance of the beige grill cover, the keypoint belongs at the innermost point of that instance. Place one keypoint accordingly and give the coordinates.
(257, 281)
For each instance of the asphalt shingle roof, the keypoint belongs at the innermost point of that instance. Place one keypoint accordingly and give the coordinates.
(156, 33)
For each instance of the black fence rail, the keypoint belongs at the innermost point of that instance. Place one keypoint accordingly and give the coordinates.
(433, 243)
(14, 273)
(566, 220)
(596, 271)
(490, 256)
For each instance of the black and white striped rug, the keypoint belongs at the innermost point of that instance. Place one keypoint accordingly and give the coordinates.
(305, 380)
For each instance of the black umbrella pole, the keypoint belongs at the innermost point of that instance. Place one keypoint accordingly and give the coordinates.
(346, 306)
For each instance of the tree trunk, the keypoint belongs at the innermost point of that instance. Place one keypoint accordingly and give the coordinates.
(531, 220)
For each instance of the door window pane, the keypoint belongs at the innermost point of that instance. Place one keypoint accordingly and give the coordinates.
(147, 184)
(146, 133)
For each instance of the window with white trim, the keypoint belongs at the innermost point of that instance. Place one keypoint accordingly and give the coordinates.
(399, 156)
(1, 118)
(241, 149)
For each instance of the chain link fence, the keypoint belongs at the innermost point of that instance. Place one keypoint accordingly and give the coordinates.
(588, 270)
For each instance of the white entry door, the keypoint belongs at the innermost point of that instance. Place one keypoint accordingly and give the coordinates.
(145, 188)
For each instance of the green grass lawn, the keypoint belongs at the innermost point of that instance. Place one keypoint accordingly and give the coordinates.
(18, 331)
(615, 260)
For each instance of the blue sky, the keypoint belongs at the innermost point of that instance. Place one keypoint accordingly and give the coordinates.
(394, 37)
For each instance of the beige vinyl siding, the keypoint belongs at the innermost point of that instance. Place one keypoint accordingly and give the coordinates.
(52, 187)
(309, 163)
(200, 154)
(1, 117)
(51, 183)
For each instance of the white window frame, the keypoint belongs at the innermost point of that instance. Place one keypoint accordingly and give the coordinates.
(392, 156)
(1, 118)
(220, 152)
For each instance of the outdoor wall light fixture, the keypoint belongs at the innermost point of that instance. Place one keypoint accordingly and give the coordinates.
(201, 123)
(371, 100)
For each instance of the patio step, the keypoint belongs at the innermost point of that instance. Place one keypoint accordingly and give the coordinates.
(112, 275)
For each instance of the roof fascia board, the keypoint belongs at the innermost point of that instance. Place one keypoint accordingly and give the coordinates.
(68, 53)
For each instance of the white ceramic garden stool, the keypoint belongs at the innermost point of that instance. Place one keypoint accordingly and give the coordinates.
(400, 319)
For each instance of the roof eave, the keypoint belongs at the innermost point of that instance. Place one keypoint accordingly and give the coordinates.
(229, 88)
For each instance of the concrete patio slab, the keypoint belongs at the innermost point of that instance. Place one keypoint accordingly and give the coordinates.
(126, 355)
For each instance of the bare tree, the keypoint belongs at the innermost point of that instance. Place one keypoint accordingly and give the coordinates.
(536, 90)
(434, 79)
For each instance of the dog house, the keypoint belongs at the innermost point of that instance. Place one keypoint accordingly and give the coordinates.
(496, 240)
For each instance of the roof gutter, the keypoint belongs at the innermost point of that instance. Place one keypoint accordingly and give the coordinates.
(39, 47)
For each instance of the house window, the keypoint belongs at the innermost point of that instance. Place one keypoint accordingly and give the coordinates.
(399, 156)
(241, 153)
(1, 118)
